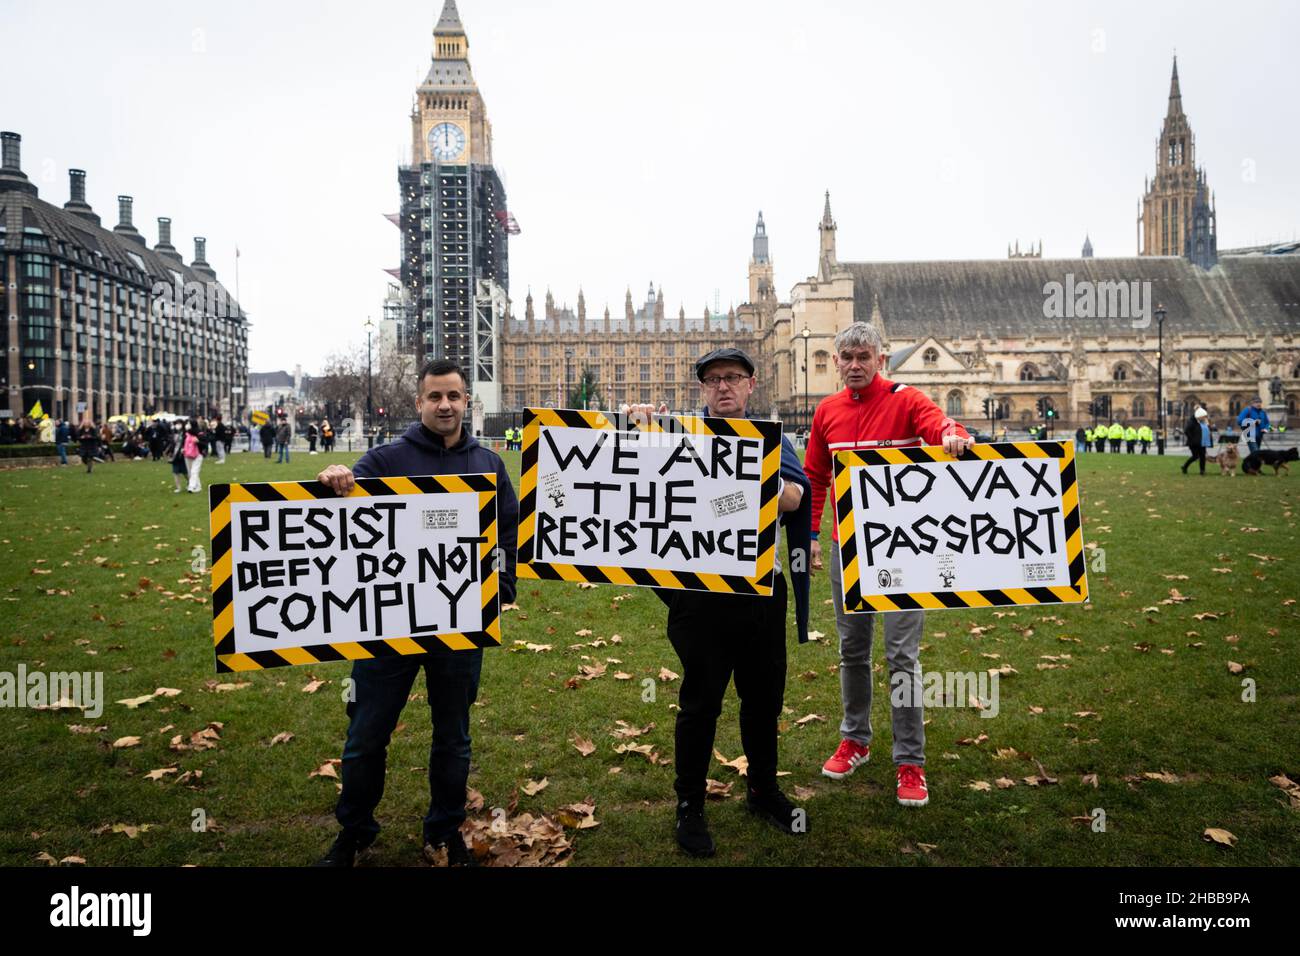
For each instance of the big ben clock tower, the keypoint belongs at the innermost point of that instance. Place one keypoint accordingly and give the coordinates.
(454, 220)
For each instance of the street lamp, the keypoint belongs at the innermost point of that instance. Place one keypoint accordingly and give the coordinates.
(568, 373)
(1160, 379)
(370, 328)
(806, 336)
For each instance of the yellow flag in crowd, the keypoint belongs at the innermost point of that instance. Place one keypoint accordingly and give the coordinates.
(37, 411)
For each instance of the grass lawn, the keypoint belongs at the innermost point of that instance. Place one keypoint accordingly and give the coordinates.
(96, 575)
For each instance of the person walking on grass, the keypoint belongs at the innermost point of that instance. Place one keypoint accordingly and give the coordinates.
(283, 436)
(192, 451)
(1197, 431)
(88, 439)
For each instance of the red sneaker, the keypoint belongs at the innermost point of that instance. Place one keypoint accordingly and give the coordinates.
(846, 759)
(912, 791)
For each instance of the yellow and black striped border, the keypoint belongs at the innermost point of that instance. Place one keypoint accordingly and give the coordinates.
(855, 601)
(221, 497)
(768, 432)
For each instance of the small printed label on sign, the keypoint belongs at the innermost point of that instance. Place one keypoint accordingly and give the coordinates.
(553, 488)
(730, 504)
(440, 519)
(1037, 572)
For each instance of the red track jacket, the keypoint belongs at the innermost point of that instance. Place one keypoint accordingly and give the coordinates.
(884, 413)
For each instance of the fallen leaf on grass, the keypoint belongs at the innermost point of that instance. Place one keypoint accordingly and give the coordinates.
(1164, 776)
(740, 764)
(1217, 835)
(666, 675)
(160, 773)
(1089, 779)
(1004, 783)
(717, 790)
(983, 786)
(281, 738)
(626, 731)
(534, 787)
(972, 741)
(326, 770)
(1235, 668)
(123, 742)
(811, 718)
(312, 686)
(583, 746)
(804, 793)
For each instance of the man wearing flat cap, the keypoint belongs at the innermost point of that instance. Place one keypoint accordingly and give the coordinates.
(718, 636)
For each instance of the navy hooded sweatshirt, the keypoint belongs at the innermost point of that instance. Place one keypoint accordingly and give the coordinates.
(421, 452)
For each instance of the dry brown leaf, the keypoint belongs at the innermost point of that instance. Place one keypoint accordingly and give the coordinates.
(717, 790)
(534, 787)
(811, 718)
(583, 746)
(1164, 776)
(740, 764)
(1090, 779)
(1004, 783)
(1217, 835)
(123, 742)
(982, 786)
(666, 675)
(1235, 668)
(312, 686)
(160, 773)
(326, 770)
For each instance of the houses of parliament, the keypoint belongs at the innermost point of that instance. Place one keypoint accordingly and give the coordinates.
(962, 331)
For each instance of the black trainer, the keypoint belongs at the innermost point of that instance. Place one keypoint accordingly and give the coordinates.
(342, 852)
(692, 830)
(458, 854)
(774, 807)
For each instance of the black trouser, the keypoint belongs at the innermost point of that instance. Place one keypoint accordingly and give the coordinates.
(1197, 452)
(716, 636)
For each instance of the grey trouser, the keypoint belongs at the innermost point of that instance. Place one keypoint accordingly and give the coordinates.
(903, 630)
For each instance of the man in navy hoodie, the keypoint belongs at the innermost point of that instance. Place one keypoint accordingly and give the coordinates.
(439, 445)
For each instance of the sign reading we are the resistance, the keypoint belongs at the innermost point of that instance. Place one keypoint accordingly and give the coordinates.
(921, 529)
(672, 501)
(402, 565)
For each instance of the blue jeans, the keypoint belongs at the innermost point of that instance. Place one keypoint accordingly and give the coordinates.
(381, 686)
(1254, 447)
(63, 452)
(283, 449)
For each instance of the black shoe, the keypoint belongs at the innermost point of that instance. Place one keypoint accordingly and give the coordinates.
(773, 806)
(458, 853)
(342, 852)
(693, 831)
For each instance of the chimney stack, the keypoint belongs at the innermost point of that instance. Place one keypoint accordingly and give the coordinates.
(125, 226)
(11, 172)
(76, 203)
(77, 185)
(11, 147)
(165, 247)
(200, 263)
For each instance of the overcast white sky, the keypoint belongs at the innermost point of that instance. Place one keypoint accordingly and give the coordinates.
(638, 141)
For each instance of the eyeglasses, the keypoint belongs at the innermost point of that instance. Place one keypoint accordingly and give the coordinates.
(733, 379)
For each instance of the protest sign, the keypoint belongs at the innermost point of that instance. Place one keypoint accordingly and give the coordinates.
(921, 529)
(672, 501)
(400, 566)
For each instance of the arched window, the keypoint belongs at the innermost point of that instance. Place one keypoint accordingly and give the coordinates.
(1139, 406)
(1028, 372)
(1120, 372)
(954, 403)
(1295, 372)
(1212, 372)
(930, 357)
(1290, 405)
(820, 361)
(1234, 406)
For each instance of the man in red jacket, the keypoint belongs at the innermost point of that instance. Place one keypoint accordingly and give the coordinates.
(872, 412)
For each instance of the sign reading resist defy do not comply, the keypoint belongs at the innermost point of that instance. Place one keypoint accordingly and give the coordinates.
(920, 529)
(401, 566)
(669, 501)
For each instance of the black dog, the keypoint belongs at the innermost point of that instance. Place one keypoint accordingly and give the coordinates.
(1277, 460)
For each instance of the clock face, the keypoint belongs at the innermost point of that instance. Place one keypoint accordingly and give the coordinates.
(446, 142)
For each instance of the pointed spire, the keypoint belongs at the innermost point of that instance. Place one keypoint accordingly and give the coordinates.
(827, 221)
(1175, 94)
(449, 23)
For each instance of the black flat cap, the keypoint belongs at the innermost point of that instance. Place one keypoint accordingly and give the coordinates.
(723, 355)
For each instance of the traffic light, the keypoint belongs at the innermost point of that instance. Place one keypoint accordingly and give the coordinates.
(1039, 406)
(1051, 412)
(988, 408)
